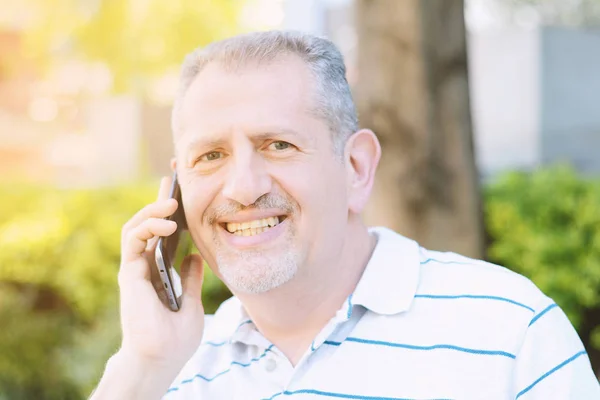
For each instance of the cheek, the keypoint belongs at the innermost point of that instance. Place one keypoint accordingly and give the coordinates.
(319, 190)
(198, 194)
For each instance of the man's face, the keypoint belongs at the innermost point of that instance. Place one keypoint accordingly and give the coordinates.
(264, 194)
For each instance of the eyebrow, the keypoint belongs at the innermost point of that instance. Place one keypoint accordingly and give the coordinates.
(261, 135)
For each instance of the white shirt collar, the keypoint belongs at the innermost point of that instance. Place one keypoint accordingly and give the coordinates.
(391, 277)
(387, 286)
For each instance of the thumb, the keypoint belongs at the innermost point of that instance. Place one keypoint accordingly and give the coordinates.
(192, 276)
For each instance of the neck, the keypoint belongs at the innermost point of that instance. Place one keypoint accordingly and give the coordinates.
(292, 315)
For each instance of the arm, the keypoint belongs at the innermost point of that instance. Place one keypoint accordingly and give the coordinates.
(126, 378)
(552, 362)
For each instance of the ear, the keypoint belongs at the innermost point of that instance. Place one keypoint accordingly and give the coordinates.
(173, 164)
(362, 154)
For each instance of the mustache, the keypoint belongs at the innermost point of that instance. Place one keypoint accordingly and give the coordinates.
(266, 201)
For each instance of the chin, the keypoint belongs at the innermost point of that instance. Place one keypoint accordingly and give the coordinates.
(256, 273)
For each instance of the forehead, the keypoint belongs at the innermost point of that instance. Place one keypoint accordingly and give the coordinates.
(278, 93)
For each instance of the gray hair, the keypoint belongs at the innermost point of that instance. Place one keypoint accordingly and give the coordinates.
(333, 99)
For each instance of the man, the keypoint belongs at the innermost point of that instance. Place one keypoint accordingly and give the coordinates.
(274, 174)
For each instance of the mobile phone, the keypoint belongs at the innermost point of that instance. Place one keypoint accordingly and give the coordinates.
(168, 251)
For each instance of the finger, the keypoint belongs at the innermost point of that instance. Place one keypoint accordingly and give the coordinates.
(156, 209)
(137, 239)
(192, 276)
(162, 208)
(163, 194)
(164, 188)
(159, 209)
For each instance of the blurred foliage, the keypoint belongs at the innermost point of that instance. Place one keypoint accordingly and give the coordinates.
(135, 39)
(30, 342)
(58, 289)
(546, 226)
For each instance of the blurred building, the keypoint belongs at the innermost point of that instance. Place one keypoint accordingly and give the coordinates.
(535, 96)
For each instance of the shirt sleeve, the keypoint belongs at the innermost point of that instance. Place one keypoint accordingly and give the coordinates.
(552, 362)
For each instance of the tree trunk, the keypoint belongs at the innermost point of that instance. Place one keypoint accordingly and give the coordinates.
(412, 90)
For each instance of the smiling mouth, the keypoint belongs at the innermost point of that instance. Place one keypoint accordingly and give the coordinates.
(255, 227)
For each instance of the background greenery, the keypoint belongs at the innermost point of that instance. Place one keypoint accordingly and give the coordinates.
(136, 40)
(546, 226)
(60, 256)
(58, 291)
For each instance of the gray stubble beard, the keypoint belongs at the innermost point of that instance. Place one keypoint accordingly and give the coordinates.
(255, 271)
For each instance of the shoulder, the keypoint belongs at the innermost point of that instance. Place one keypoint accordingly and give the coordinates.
(481, 304)
(448, 273)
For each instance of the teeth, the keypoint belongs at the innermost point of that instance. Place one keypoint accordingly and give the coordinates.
(252, 227)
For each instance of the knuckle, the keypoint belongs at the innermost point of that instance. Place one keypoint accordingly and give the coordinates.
(152, 221)
(129, 238)
(152, 209)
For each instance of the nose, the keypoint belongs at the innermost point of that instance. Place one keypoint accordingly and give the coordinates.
(247, 179)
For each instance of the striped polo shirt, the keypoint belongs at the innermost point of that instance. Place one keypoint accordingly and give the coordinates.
(420, 325)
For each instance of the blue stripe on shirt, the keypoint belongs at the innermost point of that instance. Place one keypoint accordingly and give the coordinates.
(350, 306)
(215, 344)
(447, 262)
(473, 296)
(553, 370)
(349, 314)
(218, 344)
(415, 347)
(248, 321)
(200, 376)
(544, 311)
(338, 395)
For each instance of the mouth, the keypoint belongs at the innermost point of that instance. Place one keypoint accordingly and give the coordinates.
(254, 227)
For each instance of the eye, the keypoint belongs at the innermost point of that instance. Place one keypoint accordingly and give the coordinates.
(279, 145)
(212, 156)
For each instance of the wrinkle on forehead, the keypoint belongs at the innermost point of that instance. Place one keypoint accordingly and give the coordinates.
(283, 65)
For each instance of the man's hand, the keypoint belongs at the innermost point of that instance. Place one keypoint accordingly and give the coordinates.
(157, 342)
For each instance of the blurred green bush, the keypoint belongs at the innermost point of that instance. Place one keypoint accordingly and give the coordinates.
(59, 257)
(546, 226)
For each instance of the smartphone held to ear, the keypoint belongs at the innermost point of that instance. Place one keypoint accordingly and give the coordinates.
(167, 254)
